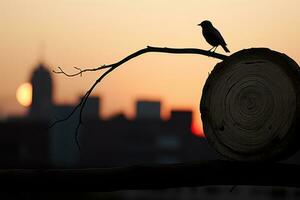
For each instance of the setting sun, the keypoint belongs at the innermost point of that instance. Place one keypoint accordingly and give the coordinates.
(24, 94)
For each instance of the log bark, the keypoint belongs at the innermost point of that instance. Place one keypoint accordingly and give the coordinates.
(250, 106)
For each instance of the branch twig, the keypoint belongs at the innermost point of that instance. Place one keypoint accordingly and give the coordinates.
(81, 105)
(142, 51)
(113, 66)
(81, 71)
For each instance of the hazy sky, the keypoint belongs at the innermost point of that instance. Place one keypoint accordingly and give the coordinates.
(89, 33)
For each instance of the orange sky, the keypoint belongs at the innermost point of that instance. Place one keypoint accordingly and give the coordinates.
(95, 32)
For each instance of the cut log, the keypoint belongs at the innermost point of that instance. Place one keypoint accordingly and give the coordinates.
(250, 106)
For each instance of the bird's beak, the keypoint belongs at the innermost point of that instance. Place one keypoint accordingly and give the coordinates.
(199, 24)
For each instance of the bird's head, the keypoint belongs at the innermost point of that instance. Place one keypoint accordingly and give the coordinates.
(205, 23)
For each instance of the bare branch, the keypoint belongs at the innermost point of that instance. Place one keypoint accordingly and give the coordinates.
(81, 71)
(81, 105)
(111, 67)
(168, 50)
(142, 51)
(67, 117)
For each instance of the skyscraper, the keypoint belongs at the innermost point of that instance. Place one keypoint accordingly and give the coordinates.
(42, 106)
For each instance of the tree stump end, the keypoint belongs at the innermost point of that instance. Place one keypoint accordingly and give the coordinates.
(250, 106)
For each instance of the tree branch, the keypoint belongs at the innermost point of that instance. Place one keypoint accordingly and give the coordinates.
(148, 49)
(81, 105)
(81, 71)
(113, 66)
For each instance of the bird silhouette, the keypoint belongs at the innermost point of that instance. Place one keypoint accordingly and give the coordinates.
(213, 36)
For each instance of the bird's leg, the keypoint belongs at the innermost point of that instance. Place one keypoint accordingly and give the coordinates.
(215, 49)
(211, 49)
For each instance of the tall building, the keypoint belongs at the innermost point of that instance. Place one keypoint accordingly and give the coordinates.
(148, 110)
(91, 109)
(42, 94)
(63, 149)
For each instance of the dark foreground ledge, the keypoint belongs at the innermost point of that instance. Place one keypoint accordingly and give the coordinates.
(155, 176)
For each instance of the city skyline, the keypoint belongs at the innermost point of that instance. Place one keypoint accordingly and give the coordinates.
(113, 138)
(42, 106)
(41, 67)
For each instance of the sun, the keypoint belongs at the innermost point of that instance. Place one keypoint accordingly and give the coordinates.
(24, 94)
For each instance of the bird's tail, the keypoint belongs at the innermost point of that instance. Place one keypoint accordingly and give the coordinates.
(225, 48)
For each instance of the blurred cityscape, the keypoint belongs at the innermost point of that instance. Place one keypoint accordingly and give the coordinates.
(27, 142)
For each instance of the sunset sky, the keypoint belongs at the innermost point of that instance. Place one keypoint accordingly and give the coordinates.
(89, 33)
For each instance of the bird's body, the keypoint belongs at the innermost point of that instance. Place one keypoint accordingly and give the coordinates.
(212, 35)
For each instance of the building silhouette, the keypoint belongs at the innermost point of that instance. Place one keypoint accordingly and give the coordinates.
(63, 151)
(42, 94)
(92, 108)
(146, 109)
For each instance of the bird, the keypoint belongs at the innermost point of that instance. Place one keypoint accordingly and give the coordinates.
(213, 36)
